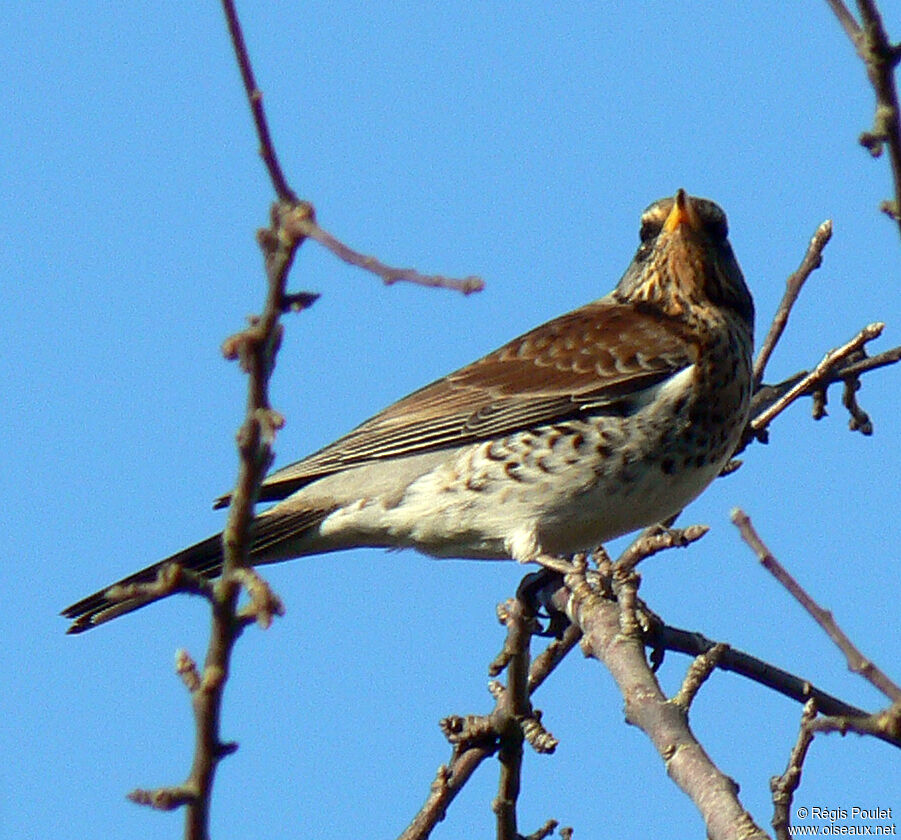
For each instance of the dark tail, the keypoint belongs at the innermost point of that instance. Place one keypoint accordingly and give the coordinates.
(204, 558)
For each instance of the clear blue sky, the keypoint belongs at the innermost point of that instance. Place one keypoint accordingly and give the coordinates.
(515, 141)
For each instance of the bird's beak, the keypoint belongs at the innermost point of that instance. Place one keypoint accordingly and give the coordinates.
(683, 213)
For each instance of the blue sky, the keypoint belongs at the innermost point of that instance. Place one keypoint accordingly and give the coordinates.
(515, 141)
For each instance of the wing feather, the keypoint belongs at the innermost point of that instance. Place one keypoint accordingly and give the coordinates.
(560, 370)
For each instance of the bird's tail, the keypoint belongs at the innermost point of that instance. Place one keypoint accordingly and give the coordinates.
(270, 534)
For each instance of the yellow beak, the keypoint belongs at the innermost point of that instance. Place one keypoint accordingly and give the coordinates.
(683, 213)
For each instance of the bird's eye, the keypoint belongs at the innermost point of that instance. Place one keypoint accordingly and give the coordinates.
(652, 222)
(653, 218)
(713, 219)
(717, 227)
(649, 229)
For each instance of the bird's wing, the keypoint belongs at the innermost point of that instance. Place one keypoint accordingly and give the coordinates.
(563, 369)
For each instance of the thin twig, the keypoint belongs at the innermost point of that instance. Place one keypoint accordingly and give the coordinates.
(256, 348)
(698, 673)
(170, 579)
(857, 662)
(545, 831)
(880, 57)
(846, 19)
(308, 227)
(783, 787)
(860, 420)
(448, 782)
(513, 707)
(884, 724)
(451, 778)
(660, 638)
(653, 540)
(668, 638)
(813, 259)
(164, 799)
(255, 99)
(768, 396)
(389, 274)
(544, 664)
(186, 668)
(889, 357)
(818, 377)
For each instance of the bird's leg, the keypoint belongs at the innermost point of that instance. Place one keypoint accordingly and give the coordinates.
(549, 577)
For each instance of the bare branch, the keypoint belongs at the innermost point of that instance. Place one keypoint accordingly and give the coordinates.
(701, 668)
(513, 707)
(535, 734)
(647, 707)
(475, 739)
(186, 668)
(880, 57)
(660, 637)
(885, 724)
(389, 274)
(170, 579)
(813, 259)
(264, 604)
(164, 799)
(784, 786)
(860, 420)
(545, 831)
(823, 374)
(665, 637)
(656, 539)
(448, 782)
(846, 19)
(286, 195)
(888, 357)
(814, 386)
(544, 664)
(857, 662)
(255, 99)
(255, 347)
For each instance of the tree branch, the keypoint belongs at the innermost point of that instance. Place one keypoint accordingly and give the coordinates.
(813, 259)
(475, 738)
(389, 274)
(663, 637)
(656, 539)
(880, 57)
(698, 673)
(255, 100)
(857, 662)
(513, 707)
(783, 787)
(665, 723)
(842, 364)
(308, 227)
(256, 348)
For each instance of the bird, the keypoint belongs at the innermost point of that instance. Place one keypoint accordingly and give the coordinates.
(605, 420)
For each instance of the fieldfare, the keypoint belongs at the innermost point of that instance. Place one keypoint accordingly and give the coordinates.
(600, 422)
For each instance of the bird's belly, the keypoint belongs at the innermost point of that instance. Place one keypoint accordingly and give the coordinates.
(617, 506)
(555, 490)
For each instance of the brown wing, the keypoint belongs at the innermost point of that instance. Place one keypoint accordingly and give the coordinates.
(599, 358)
